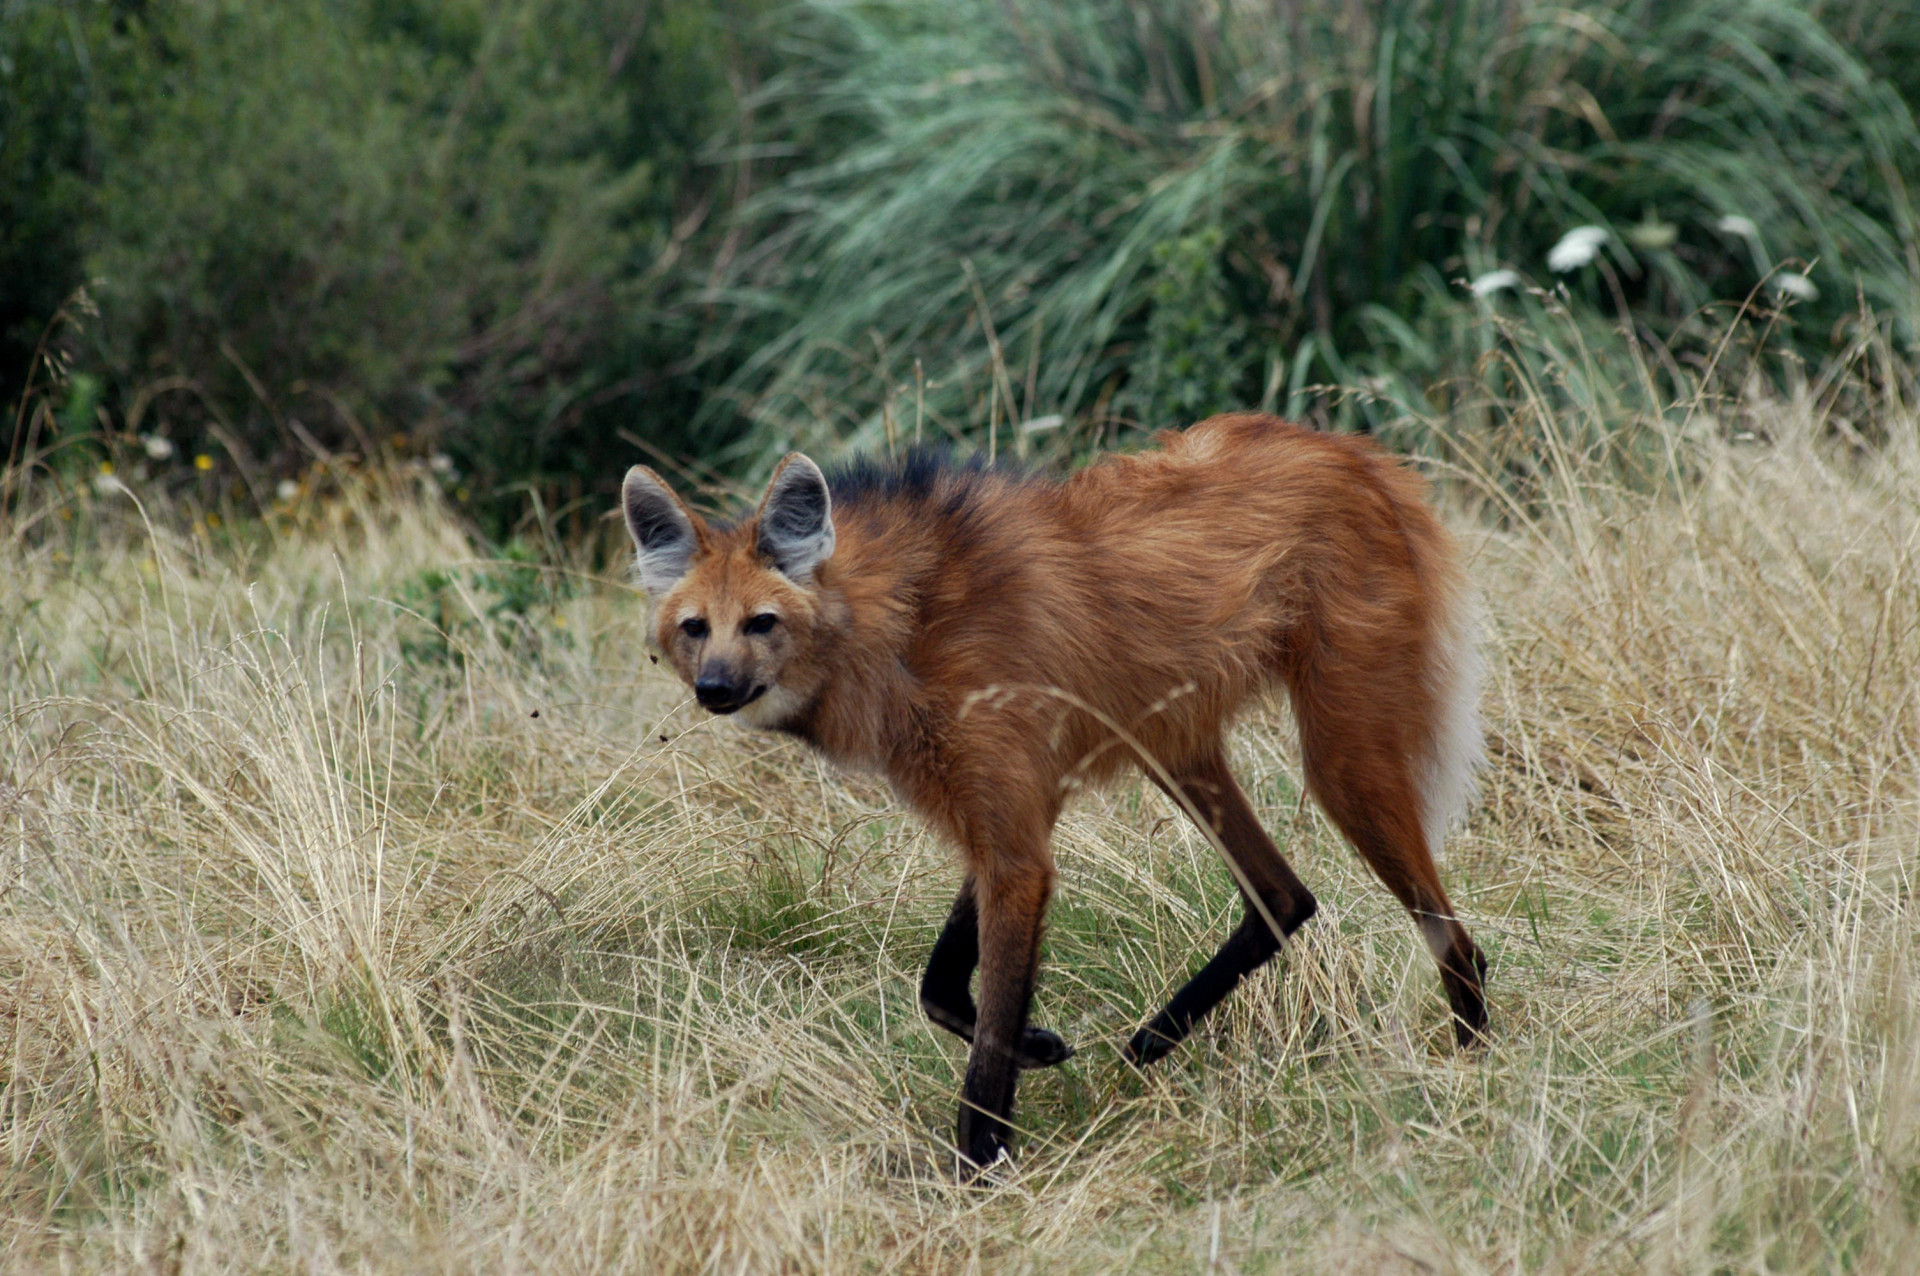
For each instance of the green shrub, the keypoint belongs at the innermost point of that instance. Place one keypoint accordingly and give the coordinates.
(327, 223)
(512, 603)
(45, 87)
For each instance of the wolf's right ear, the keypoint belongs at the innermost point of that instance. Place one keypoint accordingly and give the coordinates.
(664, 532)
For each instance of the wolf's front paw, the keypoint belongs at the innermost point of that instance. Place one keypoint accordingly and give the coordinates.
(1149, 1045)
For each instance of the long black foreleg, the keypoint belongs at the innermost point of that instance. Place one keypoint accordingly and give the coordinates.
(946, 992)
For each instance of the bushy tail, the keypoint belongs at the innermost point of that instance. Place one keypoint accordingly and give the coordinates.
(1454, 672)
(1448, 759)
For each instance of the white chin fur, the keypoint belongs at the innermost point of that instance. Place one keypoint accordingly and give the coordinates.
(776, 707)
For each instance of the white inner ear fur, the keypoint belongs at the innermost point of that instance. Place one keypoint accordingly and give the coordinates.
(662, 534)
(796, 519)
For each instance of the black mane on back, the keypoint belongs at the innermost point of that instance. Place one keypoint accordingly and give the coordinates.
(915, 475)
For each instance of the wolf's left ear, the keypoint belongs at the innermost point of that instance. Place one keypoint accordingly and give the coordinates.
(796, 519)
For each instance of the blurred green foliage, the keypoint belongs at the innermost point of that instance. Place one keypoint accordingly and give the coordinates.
(1194, 334)
(45, 157)
(544, 235)
(330, 222)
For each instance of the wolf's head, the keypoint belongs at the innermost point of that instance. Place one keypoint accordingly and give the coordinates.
(737, 608)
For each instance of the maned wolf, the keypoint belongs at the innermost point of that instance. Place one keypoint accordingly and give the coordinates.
(989, 641)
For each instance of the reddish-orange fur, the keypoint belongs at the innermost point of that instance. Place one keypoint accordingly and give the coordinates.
(1062, 632)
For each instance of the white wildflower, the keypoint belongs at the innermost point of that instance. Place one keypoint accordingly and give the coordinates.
(1576, 248)
(1494, 281)
(440, 463)
(286, 490)
(1734, 224)
(106, 484)
(1651, 235)
(1791, 283)
(159, 447)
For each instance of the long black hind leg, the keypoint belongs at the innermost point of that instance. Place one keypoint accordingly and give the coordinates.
(946, 992)
(1278, 903)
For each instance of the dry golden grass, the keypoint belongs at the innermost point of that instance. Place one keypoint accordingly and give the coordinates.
(354, 918)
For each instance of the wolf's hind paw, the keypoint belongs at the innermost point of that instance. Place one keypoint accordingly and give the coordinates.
(1042, 1048)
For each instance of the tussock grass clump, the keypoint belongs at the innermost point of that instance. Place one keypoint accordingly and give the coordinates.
(342, 931)
(1143, 211)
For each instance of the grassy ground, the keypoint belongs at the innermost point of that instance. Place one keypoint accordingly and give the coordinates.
(364, 905)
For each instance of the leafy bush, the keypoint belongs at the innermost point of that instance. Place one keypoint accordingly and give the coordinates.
(512, 603)
(44, 155)
(1037, 166)
(320, 224)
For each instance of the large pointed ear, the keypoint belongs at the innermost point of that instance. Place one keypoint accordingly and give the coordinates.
(795, 521)
(665, 532)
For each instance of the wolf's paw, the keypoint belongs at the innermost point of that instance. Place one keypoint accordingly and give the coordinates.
(1148, 1046)
(1042, 1048)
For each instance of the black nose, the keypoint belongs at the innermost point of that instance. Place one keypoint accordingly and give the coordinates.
(722, 695)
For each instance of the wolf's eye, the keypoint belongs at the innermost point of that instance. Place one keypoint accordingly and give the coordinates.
(694, 627)
(761, 624)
